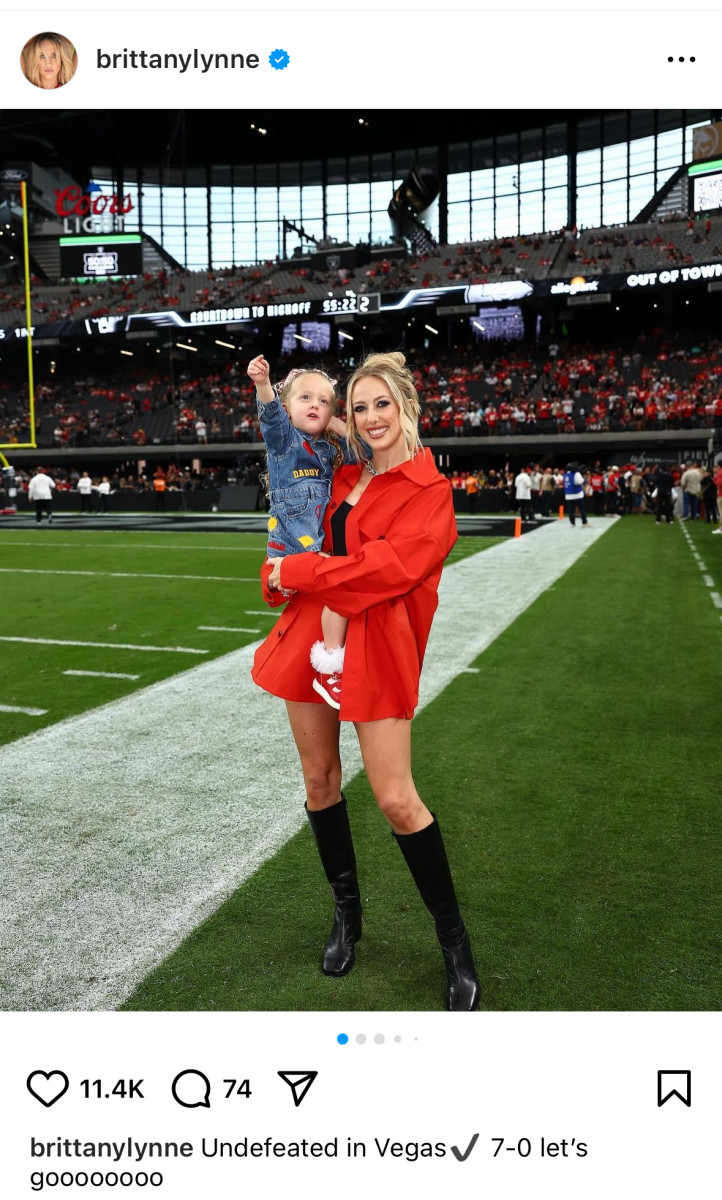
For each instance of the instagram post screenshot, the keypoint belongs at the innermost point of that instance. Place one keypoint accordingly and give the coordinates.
(360, 602)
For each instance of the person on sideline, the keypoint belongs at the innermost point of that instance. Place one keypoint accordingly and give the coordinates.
(40, 493)
(522, 487)
(718, 485)
(391, 524)
(574, 492)
(103, 490)
(85, 488)
(691, 482)
(663, 483)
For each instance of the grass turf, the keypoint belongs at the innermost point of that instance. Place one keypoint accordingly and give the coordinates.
(576, 778)
(137, 610)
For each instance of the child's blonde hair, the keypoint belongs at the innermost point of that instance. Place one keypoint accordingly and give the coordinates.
(283, 391)
(391, 369)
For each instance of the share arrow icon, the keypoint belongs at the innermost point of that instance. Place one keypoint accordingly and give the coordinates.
(299, 1083)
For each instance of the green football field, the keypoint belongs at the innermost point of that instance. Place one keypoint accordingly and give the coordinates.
(575, 769)
(122, 589)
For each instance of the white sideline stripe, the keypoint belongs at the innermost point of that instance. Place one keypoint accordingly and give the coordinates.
(708, 580)
(126, 826)
(227, 629)
(29, 712)
(128, 575)
(104, 645)
(258, 612)
(103, 674)
(470, 670)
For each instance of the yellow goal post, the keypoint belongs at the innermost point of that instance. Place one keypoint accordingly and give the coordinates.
(32, 444)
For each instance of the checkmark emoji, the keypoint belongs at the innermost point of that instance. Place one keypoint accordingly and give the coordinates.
(462, 1155)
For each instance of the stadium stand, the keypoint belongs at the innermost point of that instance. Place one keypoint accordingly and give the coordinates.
(586, 390)
(595, 251)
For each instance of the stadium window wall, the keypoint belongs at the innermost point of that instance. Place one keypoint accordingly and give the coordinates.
(506, 186)
(621, 161)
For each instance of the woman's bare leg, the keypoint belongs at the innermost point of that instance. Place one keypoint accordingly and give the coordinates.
(316, 729)
(386, 751)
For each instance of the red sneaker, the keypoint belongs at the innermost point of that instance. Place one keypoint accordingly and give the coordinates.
(328, 686)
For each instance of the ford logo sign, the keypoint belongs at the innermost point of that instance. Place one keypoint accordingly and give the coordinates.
(12, 175)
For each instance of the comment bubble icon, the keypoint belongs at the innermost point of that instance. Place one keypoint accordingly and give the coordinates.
(192, 1089)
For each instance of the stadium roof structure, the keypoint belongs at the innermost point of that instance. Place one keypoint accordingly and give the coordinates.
(78, 140)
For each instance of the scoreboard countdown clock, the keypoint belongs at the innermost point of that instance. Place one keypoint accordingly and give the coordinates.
(101, 257)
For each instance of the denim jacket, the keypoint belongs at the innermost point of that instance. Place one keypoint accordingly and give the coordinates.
(300, 471)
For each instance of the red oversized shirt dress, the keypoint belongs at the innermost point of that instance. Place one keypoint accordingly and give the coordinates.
(397, 537)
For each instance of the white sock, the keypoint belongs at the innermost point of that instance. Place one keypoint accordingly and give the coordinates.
(328, 662)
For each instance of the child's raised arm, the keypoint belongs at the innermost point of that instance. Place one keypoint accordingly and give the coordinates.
(259, 372)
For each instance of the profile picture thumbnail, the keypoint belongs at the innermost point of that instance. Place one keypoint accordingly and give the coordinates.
(49, 60)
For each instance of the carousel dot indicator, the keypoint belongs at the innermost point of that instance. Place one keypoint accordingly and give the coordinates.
(360, 1039)
(379, 1039)
(397, 1038)
(342, 1039)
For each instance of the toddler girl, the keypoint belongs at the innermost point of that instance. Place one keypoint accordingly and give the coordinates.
(295, 424)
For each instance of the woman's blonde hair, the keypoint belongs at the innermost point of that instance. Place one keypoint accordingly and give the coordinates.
(30, 57)
(391, 369)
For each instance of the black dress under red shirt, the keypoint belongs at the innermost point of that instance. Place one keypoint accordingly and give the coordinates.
(338, 528)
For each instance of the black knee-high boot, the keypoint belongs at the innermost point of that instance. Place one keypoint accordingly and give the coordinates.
(332, 832)
(426, 859)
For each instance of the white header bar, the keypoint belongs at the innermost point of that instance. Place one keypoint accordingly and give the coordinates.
(366, 60)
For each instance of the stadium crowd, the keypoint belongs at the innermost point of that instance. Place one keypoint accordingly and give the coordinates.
(541, 390)
(626, 490)
(681, 240)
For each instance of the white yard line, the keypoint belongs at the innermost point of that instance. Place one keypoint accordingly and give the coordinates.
(226, 629)
(259, 612)
(125, 827)
(104, 645)
(707, 579)
(129, 575)
(29, 712)
(103, 674)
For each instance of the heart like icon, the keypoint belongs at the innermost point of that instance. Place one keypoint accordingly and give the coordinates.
(48, 1086)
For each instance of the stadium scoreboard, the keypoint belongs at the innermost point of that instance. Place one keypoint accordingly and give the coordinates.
(706, 186)
(101, 257)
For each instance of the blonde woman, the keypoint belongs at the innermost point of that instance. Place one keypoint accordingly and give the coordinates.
(390, 524)
(49, 60)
